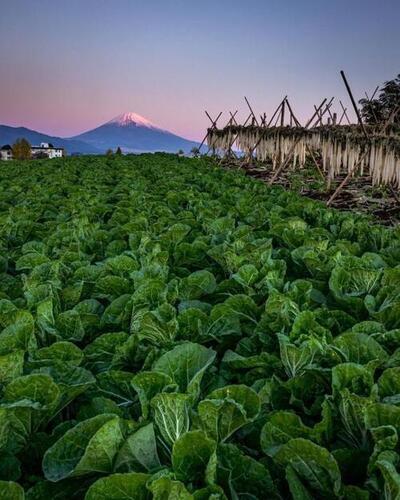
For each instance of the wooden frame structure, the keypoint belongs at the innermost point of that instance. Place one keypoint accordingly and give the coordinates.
(333, 147)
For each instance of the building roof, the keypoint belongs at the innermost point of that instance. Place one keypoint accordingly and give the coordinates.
(45, 148)
(6, 147)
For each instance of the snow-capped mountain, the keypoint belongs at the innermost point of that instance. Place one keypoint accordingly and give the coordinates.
(133, 119)
(134, 133)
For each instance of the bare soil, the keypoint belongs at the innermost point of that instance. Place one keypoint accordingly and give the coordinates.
(358, 195)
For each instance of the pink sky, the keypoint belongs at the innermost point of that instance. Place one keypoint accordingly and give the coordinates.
(67, 67)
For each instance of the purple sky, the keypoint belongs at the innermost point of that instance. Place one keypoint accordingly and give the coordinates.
(68, 66)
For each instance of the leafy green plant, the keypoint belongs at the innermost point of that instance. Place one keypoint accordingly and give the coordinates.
(171, 330)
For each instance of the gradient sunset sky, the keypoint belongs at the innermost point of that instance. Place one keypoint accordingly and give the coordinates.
(69, 65)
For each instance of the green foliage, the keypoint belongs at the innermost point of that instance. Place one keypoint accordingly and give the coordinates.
(171, 330)
(379, 109)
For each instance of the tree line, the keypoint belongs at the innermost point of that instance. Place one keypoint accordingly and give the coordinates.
(378, 110)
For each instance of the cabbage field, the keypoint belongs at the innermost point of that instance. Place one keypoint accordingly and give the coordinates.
(170, 330)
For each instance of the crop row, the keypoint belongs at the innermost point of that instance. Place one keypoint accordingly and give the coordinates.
(170, 330)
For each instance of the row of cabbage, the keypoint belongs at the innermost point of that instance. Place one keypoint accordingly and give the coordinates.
(170, 330)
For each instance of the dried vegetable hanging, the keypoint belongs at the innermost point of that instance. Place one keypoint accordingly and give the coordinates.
(343, 148)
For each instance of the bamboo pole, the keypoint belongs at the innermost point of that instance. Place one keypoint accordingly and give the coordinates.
(371, 107)
(283, 165)
(233, 119)
(344, 114)
(267, 126)
(276, 111)
(374, 92)
(251, 110)
(309, 150)
(330, 114)
(236, 136)
(349, 175)
(366, 152)
(264, 120)
(214, 125)
(279, 115)
(319, 119)
(227, 124)
(292, 115)
(370, 102)
(320, 114)
(353, 102)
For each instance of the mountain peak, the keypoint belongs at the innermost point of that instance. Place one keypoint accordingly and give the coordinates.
(130, 118)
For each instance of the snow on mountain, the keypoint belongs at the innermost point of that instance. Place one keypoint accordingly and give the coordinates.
(131, 118)
(134, 133)
(129, 131)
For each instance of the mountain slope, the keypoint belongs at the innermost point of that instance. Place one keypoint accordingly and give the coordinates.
(8, 135)
(134, 133)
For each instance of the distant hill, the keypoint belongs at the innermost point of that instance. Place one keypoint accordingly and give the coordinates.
(8, 135)
(134, 134)
(131, 132)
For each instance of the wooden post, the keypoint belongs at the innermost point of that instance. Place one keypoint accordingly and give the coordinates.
(276, 111)
(251, 110)
(309, 150)
(233, 119)
(366, 152)
(321, 113)
(283, 113)
(214, 125)
(231, 122)
(283, 165)
(236, 136)
(353, 102)
(374, 92)
(319, 119)
(292, 115)
(267, 126)
(330, 114)
(348, 176)
(370, 102)
(344, 114)
(263, 118)
(372, 108)
(278, 117)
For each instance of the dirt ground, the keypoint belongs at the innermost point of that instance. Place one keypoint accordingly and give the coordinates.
(358, 195)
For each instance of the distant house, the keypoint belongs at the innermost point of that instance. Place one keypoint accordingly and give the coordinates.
(46, 148)
(6, 152)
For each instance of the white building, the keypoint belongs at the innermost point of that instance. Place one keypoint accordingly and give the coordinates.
(6, 152)
(44, 150)
(47, 149)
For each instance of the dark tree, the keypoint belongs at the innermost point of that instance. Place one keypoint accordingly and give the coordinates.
(378, 110)
(119, 151)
